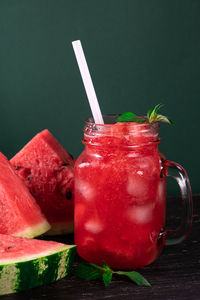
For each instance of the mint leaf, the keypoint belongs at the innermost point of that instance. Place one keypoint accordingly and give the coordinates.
(157, 107)
(130, 117)
(135, 277)
(86, 272)
(153, 116)
(91, 271)
(107, 277)
(96, 267)
(126, 116)
(164, 119)
(105, 266)
(149, 113)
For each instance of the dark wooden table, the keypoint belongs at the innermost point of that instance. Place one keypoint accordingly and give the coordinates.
(175, 274)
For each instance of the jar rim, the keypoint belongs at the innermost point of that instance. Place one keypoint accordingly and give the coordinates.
(128, 132)
(113, 118)
(89, 123)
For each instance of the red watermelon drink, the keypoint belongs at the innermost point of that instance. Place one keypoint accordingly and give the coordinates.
(120, 194)
(120, 186)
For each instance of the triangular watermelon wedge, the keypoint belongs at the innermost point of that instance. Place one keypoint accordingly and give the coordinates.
(47, 169)
(27, 263)
(20, 215)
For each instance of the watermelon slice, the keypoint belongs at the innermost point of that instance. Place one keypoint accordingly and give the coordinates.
(20, 215)
(48, 171)
(27, 263)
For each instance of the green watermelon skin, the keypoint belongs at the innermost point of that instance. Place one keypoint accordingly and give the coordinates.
(28, 269)
(47, 169)
(20, 215)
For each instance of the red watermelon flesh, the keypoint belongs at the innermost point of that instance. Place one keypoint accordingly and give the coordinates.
(18, 248)
(20, 215)
(48, 171)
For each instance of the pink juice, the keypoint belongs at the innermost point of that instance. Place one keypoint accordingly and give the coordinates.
(120, 195)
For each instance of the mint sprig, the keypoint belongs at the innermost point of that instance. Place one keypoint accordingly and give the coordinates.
(91, 271)
(152, 116)
(130, 117)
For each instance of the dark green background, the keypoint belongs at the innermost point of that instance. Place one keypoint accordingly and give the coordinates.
(140, 53)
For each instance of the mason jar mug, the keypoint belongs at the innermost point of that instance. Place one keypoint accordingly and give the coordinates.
(120, 195)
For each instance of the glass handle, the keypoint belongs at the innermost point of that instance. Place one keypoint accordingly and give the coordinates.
(173, 237)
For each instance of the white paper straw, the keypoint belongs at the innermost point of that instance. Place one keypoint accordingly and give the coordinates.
(87, 81)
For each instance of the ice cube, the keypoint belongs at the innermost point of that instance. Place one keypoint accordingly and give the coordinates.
(85, 189)
(146, 163)
(141, 214)
(138, 187)
(140, 172)
(94, 226)
(84, 164)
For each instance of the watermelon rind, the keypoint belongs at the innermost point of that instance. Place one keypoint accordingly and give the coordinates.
(59, 229)
(34, 231)
(31, 271)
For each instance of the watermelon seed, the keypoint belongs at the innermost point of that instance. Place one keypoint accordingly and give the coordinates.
(69, 195)
(29, 178)
(65, 164)
(9, 247)
(71, 156)
(17, 167)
